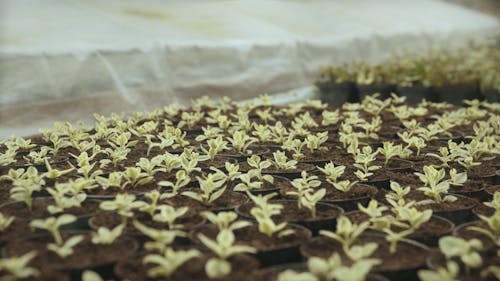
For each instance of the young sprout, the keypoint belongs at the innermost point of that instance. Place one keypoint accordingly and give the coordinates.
(262, 202)
(182, 179)
(306, 197)
(54, 173)
(8, 157)
(263, 133)
(134, 177)
(332, 268)
(225, 220)
(345, 185)
(150, 208)
(123, 204)
(212, 187)
(493, 223)
(495, 203)
(332, 172)
(85, 167)
(23, 190)
(16, 268)
(397, 193)
(189, 161)
(171, 162)
(266, 224)
(292, 275)
(169, 215)
(452, 246)
(106, 236)
(389, 150)
(117, 155)
(64, 198)
(315, 142)
(38, 157)
(434, 186)
(209, 133)
(162, 239)
(330, 117)
(413, 141)
(393, 237)
(247, 182)
(214, 147)
(52, 225)
(168, 262)
(363, 159)
(346, 232)
(5, 222)
(223, 248)
(450, 273)
(89, 275)
(151, 167)
(232, 171)
(241, 141)
(114, 180)
(295, 146)
(255, 162)
(281, 161)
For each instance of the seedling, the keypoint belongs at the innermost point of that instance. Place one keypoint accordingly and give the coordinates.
(346, 232)
(123, 204)
(450, 273)
(292, 275)
(181, 179)
(209, 133)
(389, 150)
(114, 180)
(168, 262)
(363, 159)
(64, 198)
(151, 167)
(107, 236)
(54, 173)
(23, 191)
(315, 142)
(493, 223)
(52, 224)
(259, 166)
(241, 141)
(225, 220)
(434, 187)
(452, 246)
(16, 268)
(169, 215)
(281, 162)
(345, 185)
(214, 147)
(224, 248)
(162, 239)
(5, 222)
(134, 177)
(332, 172)
(394, 237)
(212, 187)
